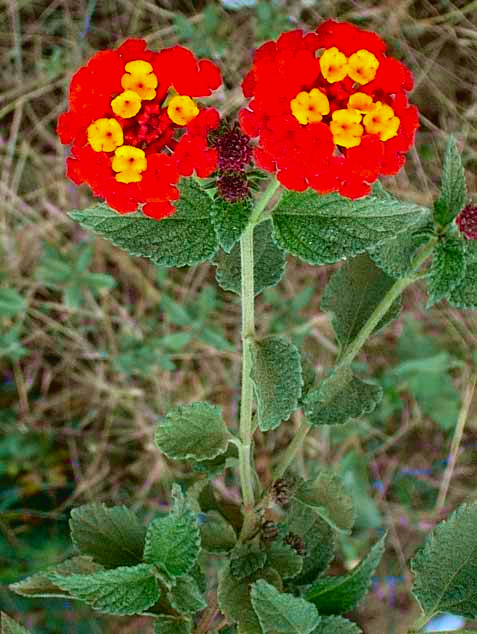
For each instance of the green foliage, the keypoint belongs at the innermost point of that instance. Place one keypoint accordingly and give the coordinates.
(453, 187)
(12, 303)
(445, 567)
(447, 269)
(281, 613)
(354, 471)
(185, 238)
(217, 535)
(140, 356)
(207, 37)
(336, 625)
(230, 219)
(284, 559)
(10, 345)
(173, 541)
(192, 432)
(269, 262)
(247, 559)
(186, 597)
(341, 397)
(271, 20)
(124, 590)
(164, 624)
(340, 594)
(324, 229)
(353, 293)
(464, 295)
(69, 273)
(9, 626)
(111, 536)
(277, 378)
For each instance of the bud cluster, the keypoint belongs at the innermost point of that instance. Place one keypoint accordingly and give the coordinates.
(234, 156)
(467, 221)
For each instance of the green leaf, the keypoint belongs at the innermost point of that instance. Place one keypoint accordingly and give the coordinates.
(447, 269)
(336, 625)
(111, 536)
(327, 497)
(446, 566)
(185, 238)
(277, 378)
(281, 613)
(9, 626)
(229, 220)
(269, 262)
(352, 295)
(124, 590)
(186, 597)
(40, 585)
(246, 560)
(192, 432)
(164, 624)
(465, 294)
(173, 541)
(453, 187)
(284, 559)
(324, 229)
(217, 535)
(341, 594)
(11, 303)
(340, 397)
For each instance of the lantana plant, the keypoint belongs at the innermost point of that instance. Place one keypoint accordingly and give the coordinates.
(326, 114)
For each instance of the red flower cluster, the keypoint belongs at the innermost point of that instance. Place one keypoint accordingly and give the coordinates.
(329, 109)
(127, 108)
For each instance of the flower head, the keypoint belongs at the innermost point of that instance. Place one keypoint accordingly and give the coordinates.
(467, 222)
(329, 109)
(135, 125)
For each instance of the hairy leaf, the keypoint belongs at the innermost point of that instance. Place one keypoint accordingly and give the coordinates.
(324, 229)
(187, 237)
(277, 378)
(447, 269)
(9, 626)
(446, 566)
(11, 303)
(336, 625)
(112, 536)
(192, 432)
(281, 613)
(125, 590)
(217, 534)
(186, 597)
(465, 294)
(340, 397)
(173, 541)
(269, 262)
(164, 624)
(246, 560)
(230, 220)
(453, 187)
(284, 559)
(340, 594)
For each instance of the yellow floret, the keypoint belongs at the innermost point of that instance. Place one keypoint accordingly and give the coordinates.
(140, 79)
(105, 135)
(382, 121)
(182, 109)
(334, 65)
(127, 104)
(346, 127)
(362, 66)
(129, 162)
(309, 107)
(361, 102)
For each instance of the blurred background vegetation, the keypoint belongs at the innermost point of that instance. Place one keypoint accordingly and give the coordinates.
(95, 345)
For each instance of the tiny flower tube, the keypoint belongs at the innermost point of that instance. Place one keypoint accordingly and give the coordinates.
(105, 135)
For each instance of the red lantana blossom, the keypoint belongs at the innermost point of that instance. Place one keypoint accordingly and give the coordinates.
(135, 127)
(329, 108)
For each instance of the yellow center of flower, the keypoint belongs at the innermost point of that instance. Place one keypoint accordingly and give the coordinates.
(182, 109)
(381, 121)
(346, 127)
(140, 79)
(309, 107)
(105, 135)
(361, 102)
(129, 162)
(334, 65)
(127, 104)
(362, 66)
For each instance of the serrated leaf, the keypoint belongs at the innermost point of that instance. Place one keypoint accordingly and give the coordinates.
(284, 559)
(246, 560)
(281, 613)
(164, 624)
(125, 590)
(325, 229)
(352, 295)
(327, 496)
(217, 534)
(11, 302)
(9, 626)
(341, 397)
(173, 541)
(447, 269)
(453, 187)
(111, 536)
(340, 594)
(445, 568)
(185, 238)
(336, 625)
(192, 432)
(186, 597)
(40, 585)
(269, 262)
(277, 379)
(229, 220)
(465, 294)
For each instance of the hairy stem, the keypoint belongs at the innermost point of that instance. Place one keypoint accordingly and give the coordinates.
(290, 452)
(419, 624)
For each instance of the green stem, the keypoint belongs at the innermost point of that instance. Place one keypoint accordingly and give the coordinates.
(419, 624)
(263, 201)
(292, 449)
